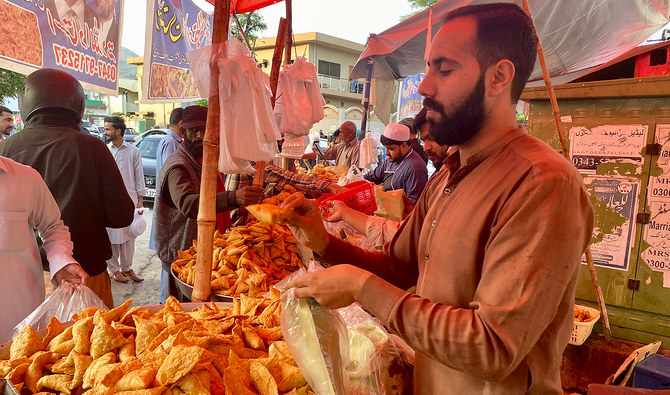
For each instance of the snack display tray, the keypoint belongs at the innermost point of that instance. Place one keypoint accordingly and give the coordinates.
(4, 349)
(187, 290)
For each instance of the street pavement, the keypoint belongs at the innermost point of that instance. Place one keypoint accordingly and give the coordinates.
(146, 265)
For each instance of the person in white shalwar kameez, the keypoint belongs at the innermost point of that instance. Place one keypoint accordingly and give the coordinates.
(129, 161)
(27, 203)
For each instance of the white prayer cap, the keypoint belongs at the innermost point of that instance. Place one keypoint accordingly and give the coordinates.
(397, 132)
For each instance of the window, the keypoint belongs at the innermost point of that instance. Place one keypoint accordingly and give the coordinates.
(329, 68)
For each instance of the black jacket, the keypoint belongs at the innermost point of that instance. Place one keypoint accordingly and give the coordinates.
(83, 179)
(416, 146)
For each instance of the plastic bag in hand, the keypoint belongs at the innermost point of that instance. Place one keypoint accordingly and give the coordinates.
(139, 224)
(317, 339)
(67, 300)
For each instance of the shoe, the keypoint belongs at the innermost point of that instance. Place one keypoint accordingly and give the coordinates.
(131, 275)
(119, 277)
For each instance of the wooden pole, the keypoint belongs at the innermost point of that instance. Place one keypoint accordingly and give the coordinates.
(276, 59)
(288, 41)
(366, 98)
(566, 153)
(210, 172)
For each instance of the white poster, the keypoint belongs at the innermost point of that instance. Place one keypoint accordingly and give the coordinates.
(659, 187)
(592, 147)
(621, 196)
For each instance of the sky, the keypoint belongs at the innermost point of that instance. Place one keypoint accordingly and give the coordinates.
(352, 20)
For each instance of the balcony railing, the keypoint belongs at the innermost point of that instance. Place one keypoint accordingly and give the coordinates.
(340, 84)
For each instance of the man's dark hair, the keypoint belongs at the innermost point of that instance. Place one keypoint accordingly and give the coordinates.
(117, 123)
(420, 119)
(409, 122)
(504, 31)
(5, 109)
(387, 141)
(176, 115)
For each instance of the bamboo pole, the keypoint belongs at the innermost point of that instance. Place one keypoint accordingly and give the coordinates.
(210, 172)
(566, 153)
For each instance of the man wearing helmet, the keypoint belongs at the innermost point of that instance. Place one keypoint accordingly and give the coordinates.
(78, 169)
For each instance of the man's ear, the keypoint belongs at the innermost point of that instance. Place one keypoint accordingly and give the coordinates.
(499, 77)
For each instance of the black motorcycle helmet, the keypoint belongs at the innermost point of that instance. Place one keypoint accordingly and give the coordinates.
(50, 88)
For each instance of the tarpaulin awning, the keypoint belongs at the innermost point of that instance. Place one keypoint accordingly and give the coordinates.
(575, 35)
(242, 6)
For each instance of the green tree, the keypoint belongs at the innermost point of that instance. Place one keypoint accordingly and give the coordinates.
(202, 102)
(252, 24)
(10, 83)
(418, 5)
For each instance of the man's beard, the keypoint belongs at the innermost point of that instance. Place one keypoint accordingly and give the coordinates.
(464, 123)
(194, 147)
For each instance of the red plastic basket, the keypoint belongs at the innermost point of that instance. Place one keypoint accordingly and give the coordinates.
(360, 196)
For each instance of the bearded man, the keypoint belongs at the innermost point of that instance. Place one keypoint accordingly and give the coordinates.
(494, 258)
(178, 195)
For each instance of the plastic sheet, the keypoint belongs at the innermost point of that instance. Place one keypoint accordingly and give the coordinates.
(63, 303)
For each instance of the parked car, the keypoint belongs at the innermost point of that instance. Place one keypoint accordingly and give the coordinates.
(148, 147)
(130, 135)
(89, 127)
(151, 132)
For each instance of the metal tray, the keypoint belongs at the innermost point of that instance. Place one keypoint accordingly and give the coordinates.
(7, 388)
(187, 290)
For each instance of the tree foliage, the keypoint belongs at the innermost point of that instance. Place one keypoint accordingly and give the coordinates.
(252, 24)
(10, 83)
(418, 6)
(202, 102)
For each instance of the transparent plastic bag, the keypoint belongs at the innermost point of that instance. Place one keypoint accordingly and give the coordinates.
(66, 300)
(317, 339)
(353, 174)
(299, 101)
(373, 362)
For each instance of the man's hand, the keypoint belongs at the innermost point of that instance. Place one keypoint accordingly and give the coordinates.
(307, 218)
(336, 212)
(335, 287)
(140, 202)
(249, 195)
(335, 189)
(72, 273)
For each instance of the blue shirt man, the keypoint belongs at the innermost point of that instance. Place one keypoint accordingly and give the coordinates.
(403, 168)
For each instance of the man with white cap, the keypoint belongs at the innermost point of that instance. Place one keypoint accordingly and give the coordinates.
(403, 168)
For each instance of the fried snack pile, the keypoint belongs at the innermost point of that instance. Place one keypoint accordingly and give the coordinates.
(247, 260)
(582, 315)
(321, 172)
(212, 350)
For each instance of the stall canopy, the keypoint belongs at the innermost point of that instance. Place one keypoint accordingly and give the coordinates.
(576, 35)
(242, 6)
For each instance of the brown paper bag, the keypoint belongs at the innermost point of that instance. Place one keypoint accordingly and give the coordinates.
(390, 204)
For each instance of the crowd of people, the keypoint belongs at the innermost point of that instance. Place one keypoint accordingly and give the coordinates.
(479, 279)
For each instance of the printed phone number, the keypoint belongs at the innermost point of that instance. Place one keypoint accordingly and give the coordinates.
(75, 60)
(657, 264)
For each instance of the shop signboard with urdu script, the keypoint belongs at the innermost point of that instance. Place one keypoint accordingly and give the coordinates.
(81, 37)
(174, 27)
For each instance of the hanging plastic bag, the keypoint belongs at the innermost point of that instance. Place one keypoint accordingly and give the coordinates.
(367, 152)
(248, 129)
(299, 101)
(66, 300)
(139, 224)
(317, 339)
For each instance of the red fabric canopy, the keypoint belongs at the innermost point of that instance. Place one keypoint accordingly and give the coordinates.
(242, 6)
